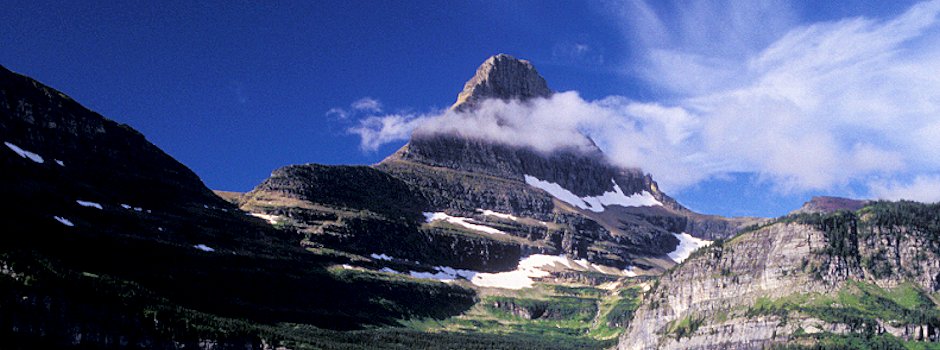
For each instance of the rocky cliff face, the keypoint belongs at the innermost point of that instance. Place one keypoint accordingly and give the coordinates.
(502, 77)
(365, 211)
(807, 279)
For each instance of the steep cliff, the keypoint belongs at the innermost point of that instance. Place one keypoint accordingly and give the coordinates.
(502, 77)
(864, 277)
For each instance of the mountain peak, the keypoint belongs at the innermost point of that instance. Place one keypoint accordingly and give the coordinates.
(505, 77)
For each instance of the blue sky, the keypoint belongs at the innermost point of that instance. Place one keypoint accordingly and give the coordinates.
(736, 107)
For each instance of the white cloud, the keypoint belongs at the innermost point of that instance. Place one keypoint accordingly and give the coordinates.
(337, 112)
(808, 107)
(376, 131)
(367, 104)
(924, 188)
(544, 124)
(695, 46)
(633, 134)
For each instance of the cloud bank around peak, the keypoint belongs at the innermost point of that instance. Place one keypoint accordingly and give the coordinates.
(632, 134)
(823, 106)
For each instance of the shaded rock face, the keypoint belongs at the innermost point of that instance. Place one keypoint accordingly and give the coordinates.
(585, 173)
(44, 121)
(100, 227)
(502, 77)
(729, 295)
(357, 187)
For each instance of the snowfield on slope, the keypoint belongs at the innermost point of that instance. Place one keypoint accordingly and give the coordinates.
(597, 203)
(380, 256)
(24, 153)
(204, 248)
(687, 245)
(64, 221)
(533, 266)
(530, 267)
(88, 204)
(460, 221)
(271, 219)
(487, 212)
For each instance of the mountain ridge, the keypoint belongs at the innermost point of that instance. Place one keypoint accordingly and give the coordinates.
(110, 242)
(462, 177)
(451, 242)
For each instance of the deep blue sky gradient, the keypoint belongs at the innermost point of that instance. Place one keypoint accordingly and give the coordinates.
(235, 89)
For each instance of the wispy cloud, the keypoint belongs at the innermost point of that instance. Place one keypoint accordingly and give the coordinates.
(577, 53)
(367, 104)
(808, 107)
(338, 113)
(375, 131)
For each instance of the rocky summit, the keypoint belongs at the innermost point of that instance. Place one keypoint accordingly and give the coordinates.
(465, 178)
(450, 242)
(502, 77)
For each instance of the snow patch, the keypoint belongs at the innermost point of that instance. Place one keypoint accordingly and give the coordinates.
(88, 204)
(204, 247)
(64, 221)
(487, 212)
(444, 273)
(128, 207)
(596, 203)
(687, 245)
(24, 153)
(272, 219)
(431, 217)
(533, 266)
(381, 257)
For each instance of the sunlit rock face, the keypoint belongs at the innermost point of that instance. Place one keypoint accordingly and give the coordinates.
(502, 77)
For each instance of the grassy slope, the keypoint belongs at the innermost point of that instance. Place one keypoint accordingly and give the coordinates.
(568, 316)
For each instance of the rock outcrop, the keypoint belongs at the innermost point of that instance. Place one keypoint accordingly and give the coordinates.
(502, 77)
(802, 279)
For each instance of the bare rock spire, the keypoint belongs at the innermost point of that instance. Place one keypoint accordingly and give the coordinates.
(504, 77)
